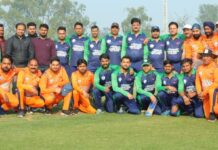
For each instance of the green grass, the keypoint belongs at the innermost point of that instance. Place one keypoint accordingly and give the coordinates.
(106, 131)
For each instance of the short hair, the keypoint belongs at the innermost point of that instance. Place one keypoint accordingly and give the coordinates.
(104, 56)
(81, 61)
(126, 57)
(173, 23)
(54, 59)
(78, 24)
(44, 25)
(167, 62)
(31, 24)
(6, 56)
(31, 59)
(20, 24)
(133, 20)
(62, 28)
(1, 25)
(94, 27)
(186, 60)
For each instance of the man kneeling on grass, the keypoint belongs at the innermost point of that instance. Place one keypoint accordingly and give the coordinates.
(28, 87)
(51, 85)
(122, 84)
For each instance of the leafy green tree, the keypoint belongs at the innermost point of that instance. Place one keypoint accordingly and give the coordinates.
(208, 12)
(53, 12)
(139, 12)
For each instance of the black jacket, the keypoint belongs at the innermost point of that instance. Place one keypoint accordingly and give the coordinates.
(20, 49)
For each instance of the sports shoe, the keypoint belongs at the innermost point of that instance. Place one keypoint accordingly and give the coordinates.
(65, 113)
(212, 117)
(21, 114)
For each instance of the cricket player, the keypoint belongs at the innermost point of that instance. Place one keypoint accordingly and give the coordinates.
(122, 84)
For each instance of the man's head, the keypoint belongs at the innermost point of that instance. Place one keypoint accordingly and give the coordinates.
(115, 29)
(31, 28)
(55, 65)
(82, 66)
(43, 30)
(208, 28)
(187, 31)
(173, 28)
(196, 31)
(146, 66)
(33, 65)
(125, 62)
(186, 65)
(136, 25)
(6, 64)
(155, 32)
(207, 56)
(61, 31)
(94, 31)
(20, 29)
(168, 66)
(104, 60)
(78, 28)
(1, 31)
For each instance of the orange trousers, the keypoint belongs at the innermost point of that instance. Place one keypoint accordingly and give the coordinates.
(82, 103)
(12, 101)
(33, 101)
(53, 99)
(208, 103)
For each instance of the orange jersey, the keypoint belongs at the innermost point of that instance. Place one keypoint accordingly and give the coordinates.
(7, 78)
(50, 80)
(28, 80)
(81, 82)
(187, 48)
(206, 78)
(197, 46)
(212, 43)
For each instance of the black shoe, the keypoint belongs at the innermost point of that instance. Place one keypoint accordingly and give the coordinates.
(212, 117)
(21, 114)
(2, 112)
(75, 111)
(48, 111)
(65, 113)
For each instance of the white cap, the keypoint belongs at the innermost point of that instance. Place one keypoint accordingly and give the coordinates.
(187, 26)
(217, 23)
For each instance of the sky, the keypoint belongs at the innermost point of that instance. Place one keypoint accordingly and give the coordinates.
(104, 12)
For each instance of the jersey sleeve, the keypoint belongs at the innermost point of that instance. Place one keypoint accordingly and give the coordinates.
(124, 46)
(97, 80)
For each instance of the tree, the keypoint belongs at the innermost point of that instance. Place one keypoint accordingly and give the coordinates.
(139, 12)
(53, 12)
(208, 12)
(182, 20)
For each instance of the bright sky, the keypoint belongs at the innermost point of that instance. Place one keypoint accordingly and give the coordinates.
(104, 12)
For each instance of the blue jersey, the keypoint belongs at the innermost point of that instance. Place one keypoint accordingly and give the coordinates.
(62, 52)
(135, 46)
(78, 46)
(189, 82)
(156, 53)
(113, 48)
(93, 51)
(174, 49)
(148, 82)
(126, 82)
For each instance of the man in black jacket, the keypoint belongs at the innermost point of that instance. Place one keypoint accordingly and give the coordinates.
(19, 47)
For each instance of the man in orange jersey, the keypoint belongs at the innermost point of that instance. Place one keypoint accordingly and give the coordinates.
(51, 85)
(216, 32)
(28, 87)
(82, 81)
(7, 75)
(206, 83)
(187, 31)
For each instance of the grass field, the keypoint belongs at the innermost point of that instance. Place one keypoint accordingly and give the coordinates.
(106, 132)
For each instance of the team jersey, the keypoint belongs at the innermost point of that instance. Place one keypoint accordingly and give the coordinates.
(156, 50)
(146, 83)
(93, 49)
(189, 81)
(102, 77)
(113, 48)
(77, 46)
(123, 83)
(50, 80)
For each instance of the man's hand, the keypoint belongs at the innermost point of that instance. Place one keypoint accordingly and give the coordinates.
(146, 41)
(171, 88)
(200, 96)
(153, 99)
(131, 72)
(107, 89)
(86, 94)
(186, 100)
(58, 90)
(130, 96)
